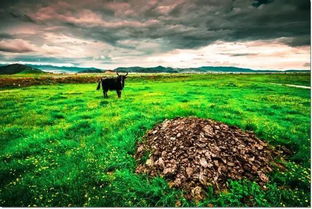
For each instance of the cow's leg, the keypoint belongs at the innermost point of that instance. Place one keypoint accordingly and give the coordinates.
(119, 93)
(105, 93)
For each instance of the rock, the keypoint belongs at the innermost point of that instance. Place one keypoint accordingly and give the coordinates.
(202, 179)
(178, 203)
(208, 130)
(216, 163)
(230, 164)
(189, 171)
(149, 162)
(203, 162)
(160, 162)
(140, 148)
(263, 177)
(169, 170)
(197, 193)
(177, 182)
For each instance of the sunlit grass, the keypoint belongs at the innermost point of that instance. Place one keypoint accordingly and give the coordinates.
(65, 145)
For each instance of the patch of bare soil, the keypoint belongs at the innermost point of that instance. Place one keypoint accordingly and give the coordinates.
(193, 153)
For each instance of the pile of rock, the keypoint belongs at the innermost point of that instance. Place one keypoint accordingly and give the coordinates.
(193, 153)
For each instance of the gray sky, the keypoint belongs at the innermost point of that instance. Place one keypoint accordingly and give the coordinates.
(259, 34)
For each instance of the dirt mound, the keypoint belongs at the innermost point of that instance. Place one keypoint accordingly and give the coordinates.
(194, 153)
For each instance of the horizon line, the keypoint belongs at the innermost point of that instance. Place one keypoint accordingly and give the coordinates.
(64, 65)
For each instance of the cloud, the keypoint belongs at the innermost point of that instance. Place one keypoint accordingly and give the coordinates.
(258, 3)
(296, 41)
(276, 55)
(16, 46)
(5, 36)
(240, 54)
(182, 24)
(22, 17)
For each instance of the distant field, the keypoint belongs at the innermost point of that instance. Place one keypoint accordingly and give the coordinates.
(63, 144)
(21, 80)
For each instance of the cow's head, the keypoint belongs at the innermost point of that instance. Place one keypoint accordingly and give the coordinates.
(121, 79)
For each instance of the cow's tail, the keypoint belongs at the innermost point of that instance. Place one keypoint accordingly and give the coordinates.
(99, 84)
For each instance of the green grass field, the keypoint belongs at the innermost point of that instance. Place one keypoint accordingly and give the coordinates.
(65, 145)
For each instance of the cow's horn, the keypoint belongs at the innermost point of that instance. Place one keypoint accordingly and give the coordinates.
(126, 73)
(117, 73)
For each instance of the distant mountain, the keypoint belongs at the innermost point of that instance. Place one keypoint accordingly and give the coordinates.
(63, 69)
(91, 71)
(203, 69)
(158, 69)
(161, 69)
(19, 68)
(294, 71)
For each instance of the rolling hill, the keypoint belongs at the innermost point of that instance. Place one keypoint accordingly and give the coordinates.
(66, 69)
(19, 68)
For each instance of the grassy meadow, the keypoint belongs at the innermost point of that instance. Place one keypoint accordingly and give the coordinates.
(65, 145)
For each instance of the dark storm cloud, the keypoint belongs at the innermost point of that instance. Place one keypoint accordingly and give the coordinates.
(173, 24)
(240, 54)
(5, 36)
(184, 24)
(22, 17)
(258, 3)
(289, 19)
(15, 50)
(297, 41)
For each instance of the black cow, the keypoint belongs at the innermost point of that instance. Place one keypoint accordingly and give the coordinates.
(112, 84)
